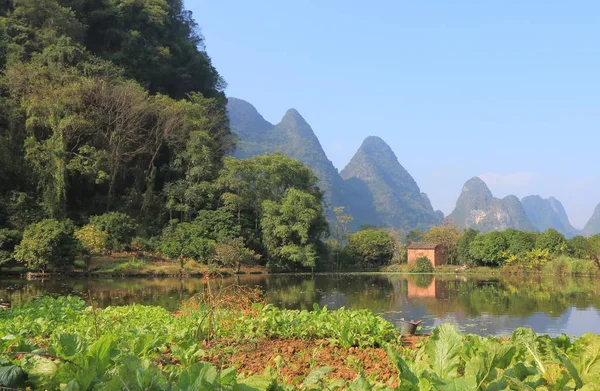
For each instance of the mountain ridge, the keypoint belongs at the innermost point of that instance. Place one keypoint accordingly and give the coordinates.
(476, 207)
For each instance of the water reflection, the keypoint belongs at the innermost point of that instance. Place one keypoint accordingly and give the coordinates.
(476, 305)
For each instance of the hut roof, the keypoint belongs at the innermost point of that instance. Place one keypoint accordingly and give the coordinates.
(423, 245)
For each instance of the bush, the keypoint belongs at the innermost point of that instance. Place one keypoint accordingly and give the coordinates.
(535, 260)
(489, 249)
(48, 243)
(93, 240)
(578, 247)
(119, 227)
(423, 265)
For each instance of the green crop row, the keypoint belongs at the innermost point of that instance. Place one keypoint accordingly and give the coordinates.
(62, 344)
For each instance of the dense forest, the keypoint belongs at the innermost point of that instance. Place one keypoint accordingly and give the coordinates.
(113, 130)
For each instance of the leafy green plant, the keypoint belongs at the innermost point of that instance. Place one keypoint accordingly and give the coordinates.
(48, 243)
(119, 227)
(423, 265)
(93, 240)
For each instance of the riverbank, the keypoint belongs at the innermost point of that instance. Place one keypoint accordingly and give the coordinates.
(150, 266)
(229, 339)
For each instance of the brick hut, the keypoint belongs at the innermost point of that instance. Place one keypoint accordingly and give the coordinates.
(434, 251)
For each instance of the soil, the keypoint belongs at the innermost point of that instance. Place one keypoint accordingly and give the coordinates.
(297, 358)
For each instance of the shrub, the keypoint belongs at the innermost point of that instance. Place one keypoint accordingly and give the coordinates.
(48, 243)
(119, 227)
(423, 265)
(93, 240)
(8, 241)
(535, 260)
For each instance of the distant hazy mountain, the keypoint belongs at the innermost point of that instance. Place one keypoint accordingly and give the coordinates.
(477, 208)
(593, 225)
(548, 213)
(397, 198)
(292, 136)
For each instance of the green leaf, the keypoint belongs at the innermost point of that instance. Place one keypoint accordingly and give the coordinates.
(228, 377)
(443, 351)
(257, 382)
(360, 384)
(408, 380)
(585, 356)
(316, 375)
(67, 346)
(12, 376)
(459, 384)
(102, 352)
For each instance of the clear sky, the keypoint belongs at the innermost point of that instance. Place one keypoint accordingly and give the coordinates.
(506, 90)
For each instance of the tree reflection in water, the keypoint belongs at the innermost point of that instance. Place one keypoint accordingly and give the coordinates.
(477, 304)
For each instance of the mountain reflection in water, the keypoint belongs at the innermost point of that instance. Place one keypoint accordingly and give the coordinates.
(479, 305)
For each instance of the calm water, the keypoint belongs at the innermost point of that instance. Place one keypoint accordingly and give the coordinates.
(476, 305)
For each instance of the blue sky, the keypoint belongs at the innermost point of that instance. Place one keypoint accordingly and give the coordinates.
(509, 91)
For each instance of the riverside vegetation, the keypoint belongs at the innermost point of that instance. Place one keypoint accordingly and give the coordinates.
(211, 342)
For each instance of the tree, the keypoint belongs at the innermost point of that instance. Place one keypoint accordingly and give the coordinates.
(8, 240)
(183, 241)
(578, 247)
(292, 228)
(48, 243)
(371, 248)
(414, 235)
(552, 240)
(519, 242)
(489, 249)
(340, 232)
(233, 253)
(119, 228)
(449, 237)
(464, 245)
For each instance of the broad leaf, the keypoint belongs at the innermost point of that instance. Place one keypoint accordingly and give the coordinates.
(12, 376)
(443, 351)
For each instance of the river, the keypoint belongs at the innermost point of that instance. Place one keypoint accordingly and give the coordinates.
(479, 305)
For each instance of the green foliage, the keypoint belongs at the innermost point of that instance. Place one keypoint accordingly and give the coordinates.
(9, 239)
(464, 245)
(186, 240)
(578, 247)
(519, 242)
(371, 248)
(291, 229)
(489, 249)
(534, 259)
(233, 253)
(449, 237)
(553, 241)
(121, 347)
(423, 265)
(48, 243)
(119, 228)
(93, 240)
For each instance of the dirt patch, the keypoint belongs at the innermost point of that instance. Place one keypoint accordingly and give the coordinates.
(297, 358)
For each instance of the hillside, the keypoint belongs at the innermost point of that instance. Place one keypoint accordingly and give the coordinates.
(477, 208)
(548, 213)
(292, 136)
(592, 227)
(396, 196)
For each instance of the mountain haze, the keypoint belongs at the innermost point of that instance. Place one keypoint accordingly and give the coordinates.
(397, 198)
(477, 208)
(548, 213)
(592, 227)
